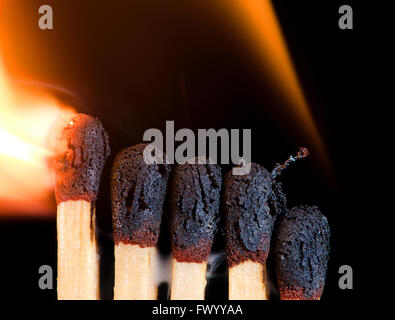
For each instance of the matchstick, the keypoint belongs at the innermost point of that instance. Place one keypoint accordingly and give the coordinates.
(194, 205)
(80, 155)
(301, 253)
(188, 280)
(251, 203)
(134, 278)
(138, 191)
(247, 282)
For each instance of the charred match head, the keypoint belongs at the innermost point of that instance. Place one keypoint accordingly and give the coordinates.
(80, 154)
(194, 201)
(302, 253)
(138, 192)
(251, 203)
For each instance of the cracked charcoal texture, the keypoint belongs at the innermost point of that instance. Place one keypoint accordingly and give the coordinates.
(194, 205)
(251, 204)
(302, 253)
(138, 191)
(78, 164)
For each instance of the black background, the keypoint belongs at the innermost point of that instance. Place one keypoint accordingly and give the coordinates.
(135, 64)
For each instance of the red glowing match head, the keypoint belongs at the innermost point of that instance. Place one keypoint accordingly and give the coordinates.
(80, 154)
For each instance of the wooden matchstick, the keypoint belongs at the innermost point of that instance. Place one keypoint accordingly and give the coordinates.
(188, 280)
(301, 253)
(247, 281)
(194, 200)
(251, 203)
(134, 278)
(78, 268)
(80, 155)
(138, 192)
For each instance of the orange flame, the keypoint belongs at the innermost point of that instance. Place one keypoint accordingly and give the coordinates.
(263, 29)
(25, 122)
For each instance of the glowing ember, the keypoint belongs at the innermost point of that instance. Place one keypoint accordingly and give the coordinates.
(26, 120)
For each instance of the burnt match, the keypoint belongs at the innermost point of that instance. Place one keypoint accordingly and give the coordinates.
(80, 155)
(138, 192)
(302, 253)
(251, 203)
(194, 201)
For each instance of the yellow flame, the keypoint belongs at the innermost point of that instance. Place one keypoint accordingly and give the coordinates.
(12, 146)
(26, 120)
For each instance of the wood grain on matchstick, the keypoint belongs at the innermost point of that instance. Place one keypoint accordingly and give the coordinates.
(78, 259)
(134, 279)
(246, 281)
(188, 280)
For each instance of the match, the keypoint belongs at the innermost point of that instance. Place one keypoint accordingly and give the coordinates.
(80, 155)
(194, 205)
(302, 253)
(138, 191)
(251, 203)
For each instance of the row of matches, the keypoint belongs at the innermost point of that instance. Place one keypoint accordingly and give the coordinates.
(250, 205)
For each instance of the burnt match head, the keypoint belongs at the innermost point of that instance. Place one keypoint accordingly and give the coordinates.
(302, 253)
(251, 204)
(194, 201)
(138, 191)
(80, 154)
